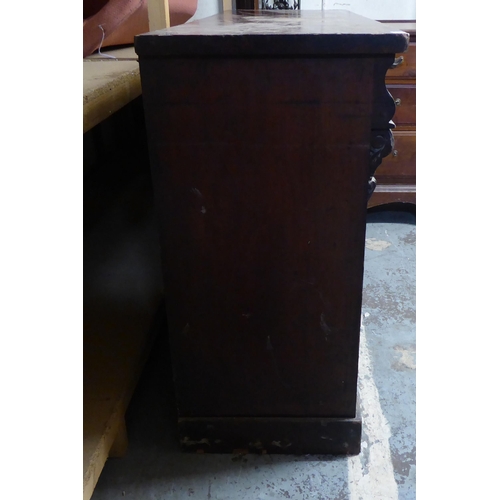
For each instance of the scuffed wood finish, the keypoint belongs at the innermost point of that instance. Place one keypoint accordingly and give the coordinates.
(254, 179)
(274, 33)
(290, 436)
(260, 166)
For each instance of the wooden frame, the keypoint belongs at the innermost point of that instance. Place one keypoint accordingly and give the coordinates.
(158, 14)
(113, 359)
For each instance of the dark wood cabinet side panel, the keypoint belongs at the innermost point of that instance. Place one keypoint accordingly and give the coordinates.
(263, 267)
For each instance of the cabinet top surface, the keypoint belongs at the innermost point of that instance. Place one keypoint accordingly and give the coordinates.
(275, 33)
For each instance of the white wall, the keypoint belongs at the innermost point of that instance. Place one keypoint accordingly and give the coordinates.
(207, 8)
(379, 9)
(373, 9)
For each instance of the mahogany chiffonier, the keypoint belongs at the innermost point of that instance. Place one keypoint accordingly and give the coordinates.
(265, 130)
(396, 177)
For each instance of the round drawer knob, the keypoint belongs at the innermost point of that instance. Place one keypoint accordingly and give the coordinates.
(397, 101)
(395, 152)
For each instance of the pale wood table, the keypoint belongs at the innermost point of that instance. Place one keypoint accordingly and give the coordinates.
(109, 84)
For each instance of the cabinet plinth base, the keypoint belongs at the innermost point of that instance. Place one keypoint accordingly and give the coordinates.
(279, 435)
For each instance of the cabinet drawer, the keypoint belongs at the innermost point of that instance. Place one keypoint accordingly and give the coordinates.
(405, 98)
(408, 67)
(400, 166)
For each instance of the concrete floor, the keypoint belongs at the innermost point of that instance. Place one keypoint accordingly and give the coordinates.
(385, 470)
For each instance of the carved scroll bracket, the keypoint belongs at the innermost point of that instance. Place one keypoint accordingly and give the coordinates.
(381, 144)
(382, 140)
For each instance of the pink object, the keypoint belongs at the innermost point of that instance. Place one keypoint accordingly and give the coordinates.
(121, 20)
